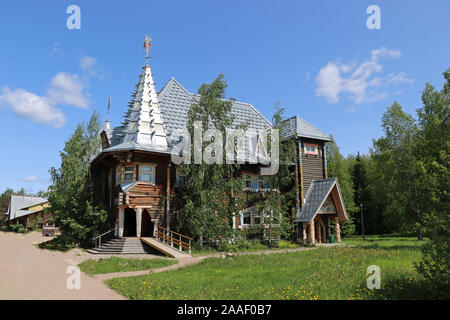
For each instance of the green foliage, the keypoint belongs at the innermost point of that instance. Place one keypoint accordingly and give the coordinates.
(433, 183)
(395, 187)
(201, 201)
(19, 228)
(244, 245)
(78, 215)
(338, 167)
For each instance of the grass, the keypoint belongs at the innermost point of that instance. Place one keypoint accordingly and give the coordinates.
(115, 264)
(323, 273)
(244, 246)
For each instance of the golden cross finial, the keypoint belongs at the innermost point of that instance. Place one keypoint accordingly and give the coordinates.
(147, 45)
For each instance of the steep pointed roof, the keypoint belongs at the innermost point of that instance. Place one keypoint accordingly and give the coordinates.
(318, 192)
(142, 127)
(153, 116)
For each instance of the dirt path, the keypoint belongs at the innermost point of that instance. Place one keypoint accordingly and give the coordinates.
(27, 272)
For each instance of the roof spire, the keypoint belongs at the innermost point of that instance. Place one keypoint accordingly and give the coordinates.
(109, 108)
(147, 45)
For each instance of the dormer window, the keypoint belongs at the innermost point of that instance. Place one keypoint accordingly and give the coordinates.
(129, 174)
(311, 148)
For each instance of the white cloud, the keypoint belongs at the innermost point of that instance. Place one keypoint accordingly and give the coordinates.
(64, 89)
(90, 66)
(31, 106)
(30, 179)
(56, 50)
(87, 63)
(67, 89)
(360, 84)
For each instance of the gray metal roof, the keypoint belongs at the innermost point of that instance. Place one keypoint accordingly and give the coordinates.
(19, 203)
(175, 101)
(301, 128)
(317, 193)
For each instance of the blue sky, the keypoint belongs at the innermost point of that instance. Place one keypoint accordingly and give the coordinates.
(317, 58)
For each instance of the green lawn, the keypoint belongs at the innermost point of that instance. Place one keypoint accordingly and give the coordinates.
(115, 264)
(323, 273)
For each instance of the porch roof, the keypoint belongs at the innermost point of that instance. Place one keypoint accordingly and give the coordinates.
(316, 196)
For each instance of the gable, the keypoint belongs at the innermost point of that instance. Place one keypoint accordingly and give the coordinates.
(328, 206)
(322, 195)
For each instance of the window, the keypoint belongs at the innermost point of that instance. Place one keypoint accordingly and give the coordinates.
(146, 173)
(248, 181)
(180, 178)
(260, 182)
(129, 174)
(257, 218)
(247, 218)
(311, 148)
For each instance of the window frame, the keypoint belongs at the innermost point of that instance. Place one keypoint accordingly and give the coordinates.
(152, 173)
(125, 173)
(311, 145)
(180, 179)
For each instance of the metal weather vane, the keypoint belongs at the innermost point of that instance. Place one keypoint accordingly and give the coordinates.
(109, 108)
(147, 45)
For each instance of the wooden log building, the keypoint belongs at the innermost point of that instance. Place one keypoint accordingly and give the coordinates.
(136, 161)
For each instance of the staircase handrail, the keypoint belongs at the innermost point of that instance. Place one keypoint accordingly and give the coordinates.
(99, 237)
(168, 235)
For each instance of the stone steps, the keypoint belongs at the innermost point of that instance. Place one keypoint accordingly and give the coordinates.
(124, 246)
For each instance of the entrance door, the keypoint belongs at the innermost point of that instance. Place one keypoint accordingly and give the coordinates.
(129, 223)
(147, 225)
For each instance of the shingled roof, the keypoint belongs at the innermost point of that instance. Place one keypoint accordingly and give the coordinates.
(317, 193)
(175, 101)
(296, 126)
(153, 117)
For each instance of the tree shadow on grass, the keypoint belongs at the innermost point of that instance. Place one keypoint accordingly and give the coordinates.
(392, 247)
(407, 289)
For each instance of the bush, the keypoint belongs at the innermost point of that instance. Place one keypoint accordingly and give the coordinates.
(435, 263)
(244, 245)
(284, 244)
(19, 228)
(59, 243)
